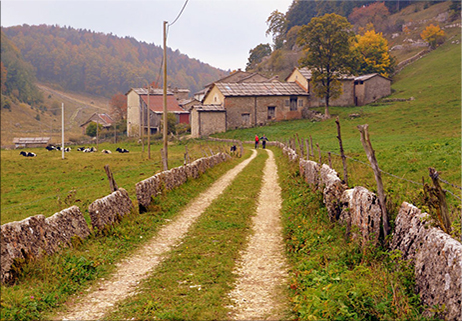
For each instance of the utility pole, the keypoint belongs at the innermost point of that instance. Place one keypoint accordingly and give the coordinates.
(62, 130)
(149, 123)
(165, 99)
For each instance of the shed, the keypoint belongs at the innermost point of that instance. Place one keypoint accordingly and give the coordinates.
(104, 119)
(207, 120)
(371, 87)
(21, 142)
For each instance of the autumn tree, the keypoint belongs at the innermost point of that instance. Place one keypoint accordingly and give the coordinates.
(326, 42)
(118, 106)
(257, 54)
(371, 54)
(433, 35)
(277, 25)
(375, 13)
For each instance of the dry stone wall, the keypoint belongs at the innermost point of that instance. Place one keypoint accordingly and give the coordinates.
(107, 211)
(436, 256)
(153, 186)
(36, 236)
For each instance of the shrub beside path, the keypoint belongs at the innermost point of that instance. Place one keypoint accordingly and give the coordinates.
(262, 270)
(124, 282)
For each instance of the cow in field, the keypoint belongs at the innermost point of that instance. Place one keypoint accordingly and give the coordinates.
(50, 147)
(122, 150)
(106, 151)
(27, 154)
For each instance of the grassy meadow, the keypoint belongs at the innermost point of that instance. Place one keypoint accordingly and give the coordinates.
(47, 184)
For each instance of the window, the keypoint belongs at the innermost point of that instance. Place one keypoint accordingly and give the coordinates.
(287, 102)
(293, 103)
(245, 119)
(271, 112)
(300, 103)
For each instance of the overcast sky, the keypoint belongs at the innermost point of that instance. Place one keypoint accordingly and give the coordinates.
(217, 32)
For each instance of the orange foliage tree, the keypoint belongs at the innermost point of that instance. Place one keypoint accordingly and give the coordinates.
(118, 106)
(374, 13)
(433, 35)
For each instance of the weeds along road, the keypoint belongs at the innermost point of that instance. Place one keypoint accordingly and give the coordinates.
(260, 272)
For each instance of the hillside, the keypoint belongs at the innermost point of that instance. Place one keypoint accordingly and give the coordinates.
(103, 64)
(401, 29)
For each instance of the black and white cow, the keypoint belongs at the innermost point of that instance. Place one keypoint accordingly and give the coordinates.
(50, 147)
(27, 154)
(122, 150)
(106, 151)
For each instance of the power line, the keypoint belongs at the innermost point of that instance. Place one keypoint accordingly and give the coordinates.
(182, 9)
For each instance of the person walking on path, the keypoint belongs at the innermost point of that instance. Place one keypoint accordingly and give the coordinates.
(256, 141)
(263, 140)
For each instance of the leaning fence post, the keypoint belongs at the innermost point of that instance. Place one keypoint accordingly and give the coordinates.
(330, 159)
(110, 177)
(378, 177)
(441, 200)
(241, 148)
(342, 153)
(319, 153)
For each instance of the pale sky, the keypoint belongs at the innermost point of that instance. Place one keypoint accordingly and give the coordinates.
(217, 32)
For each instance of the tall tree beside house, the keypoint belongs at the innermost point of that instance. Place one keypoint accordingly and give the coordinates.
(257, 54)
(371, 55)
(277, 26)
(118, 106)
(326, 42)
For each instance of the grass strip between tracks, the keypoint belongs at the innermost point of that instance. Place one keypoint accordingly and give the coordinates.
(192, 284)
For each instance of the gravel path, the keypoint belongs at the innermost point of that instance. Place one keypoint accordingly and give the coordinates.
(262, 269)
(131, 271)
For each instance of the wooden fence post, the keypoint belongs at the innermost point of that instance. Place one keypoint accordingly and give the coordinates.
(330, 159)
(186, 155)
(110, 177)
(441, 200)
(312, 149)
(241, 149)
(299, 144)
(342, 153)
(378, 177)
(307, 149)
(319, 153)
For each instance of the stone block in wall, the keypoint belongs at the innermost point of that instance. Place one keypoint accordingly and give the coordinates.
(108, 210)
(63, 226)
(290, 153)
(146, 189)
(362, 214)
(438, 273)
(167, 179)
(411, 226)
(328, 175)
(21, 241)
(311, 173)
(36, 236)
(192, 171)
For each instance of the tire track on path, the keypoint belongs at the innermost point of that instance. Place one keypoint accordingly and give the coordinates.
(262, 270)
(132, 270)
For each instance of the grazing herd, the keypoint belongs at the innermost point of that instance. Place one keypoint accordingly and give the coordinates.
(80, 149)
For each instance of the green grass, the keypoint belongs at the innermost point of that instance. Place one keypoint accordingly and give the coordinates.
(331, 278)
(47, 283)
(193, 282)
(44, 184)
(408, 137)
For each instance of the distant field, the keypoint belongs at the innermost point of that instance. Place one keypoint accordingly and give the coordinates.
(408, 137)
(47, 184)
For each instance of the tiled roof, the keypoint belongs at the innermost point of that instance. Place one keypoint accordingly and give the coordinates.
(154, 91)
(104, 119)
(261, 89)
(156, 104)
(209, 108)
(368, 76)
(307, 73)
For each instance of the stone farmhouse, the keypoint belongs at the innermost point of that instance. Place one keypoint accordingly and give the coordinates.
(356, 91)
(103, 119)
(137, 109)
(243, 99)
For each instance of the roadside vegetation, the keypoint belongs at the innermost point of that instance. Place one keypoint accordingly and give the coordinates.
(45, 284)
(331, 277)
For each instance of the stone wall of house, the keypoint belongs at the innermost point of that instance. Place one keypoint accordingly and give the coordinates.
(376, 88)
(107, 211)
(167, 180)
(207, 122)
(36, 236)
(347, 98)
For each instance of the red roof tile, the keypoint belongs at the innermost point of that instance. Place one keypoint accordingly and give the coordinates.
(156, 103)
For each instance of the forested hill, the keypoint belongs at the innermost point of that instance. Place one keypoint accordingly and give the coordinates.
(103, 64)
